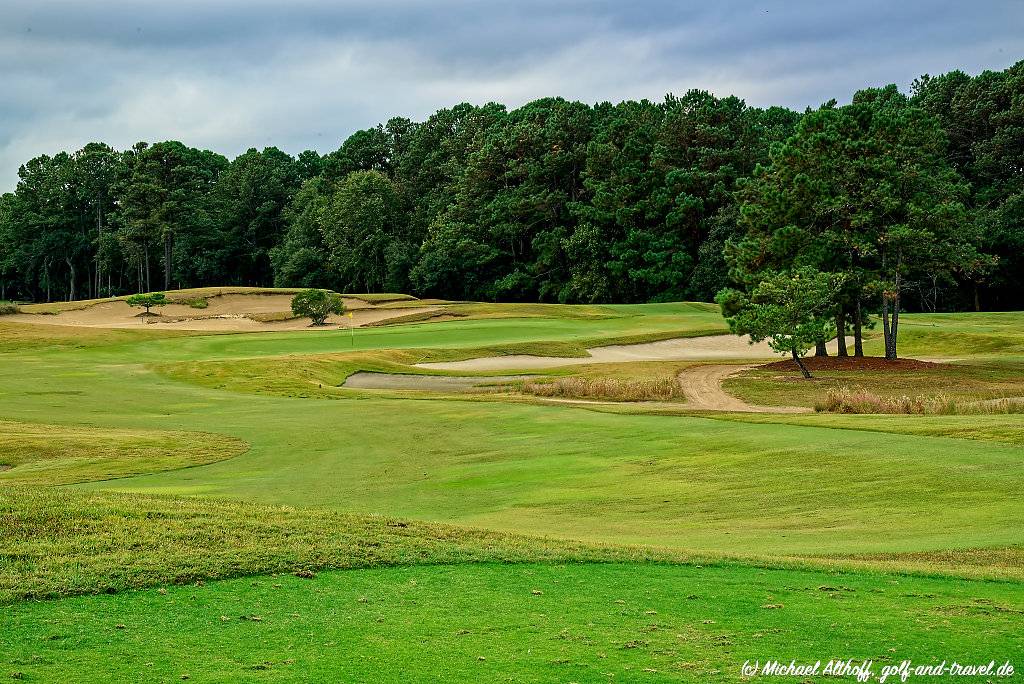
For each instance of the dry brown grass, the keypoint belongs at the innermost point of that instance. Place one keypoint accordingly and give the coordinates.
(860, 400)
(607, 389)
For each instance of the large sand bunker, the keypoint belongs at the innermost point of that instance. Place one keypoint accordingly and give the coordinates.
(710, 347)
(680, 349)
(222, 313)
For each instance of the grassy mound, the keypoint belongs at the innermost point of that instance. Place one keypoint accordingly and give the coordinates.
(32, 453)
(18, 337)
(62, 542)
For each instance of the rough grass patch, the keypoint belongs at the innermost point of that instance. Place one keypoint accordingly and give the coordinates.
(607, 389)
(9, 308)
(36, 453)
(61, 542)
(418, 317)
(860, 400)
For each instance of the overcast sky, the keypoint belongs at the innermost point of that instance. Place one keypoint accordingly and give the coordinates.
(232, 74)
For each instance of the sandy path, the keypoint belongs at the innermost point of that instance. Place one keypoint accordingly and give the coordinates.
(703, 388)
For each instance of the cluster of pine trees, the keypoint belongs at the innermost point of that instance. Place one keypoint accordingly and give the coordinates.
(554, 201)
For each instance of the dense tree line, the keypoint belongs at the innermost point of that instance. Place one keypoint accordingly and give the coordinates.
(560, 201)
(861, 197)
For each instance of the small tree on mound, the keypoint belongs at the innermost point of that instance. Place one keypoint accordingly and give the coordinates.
(790, 309)
(148, 300)
(317, 305)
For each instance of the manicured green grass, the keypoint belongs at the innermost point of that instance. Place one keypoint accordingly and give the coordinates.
(687, 482)
(58, 454)
(959, 335)
(1006, 428)
(440, 340)
(780, 487)
(523, 623)
(563, 311)
(805, 495)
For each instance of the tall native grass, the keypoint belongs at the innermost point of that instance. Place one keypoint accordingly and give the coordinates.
(606, 389)
(860, 400)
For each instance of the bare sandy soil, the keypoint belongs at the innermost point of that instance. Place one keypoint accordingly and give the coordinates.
(223, 313)
(429, 383)
(703, 388)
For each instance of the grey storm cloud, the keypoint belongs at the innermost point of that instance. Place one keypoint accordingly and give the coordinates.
(232, 74)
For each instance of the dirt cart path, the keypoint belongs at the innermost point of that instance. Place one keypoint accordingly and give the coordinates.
(703, 388)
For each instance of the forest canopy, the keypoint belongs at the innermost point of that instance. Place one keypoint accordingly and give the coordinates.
(556, 201)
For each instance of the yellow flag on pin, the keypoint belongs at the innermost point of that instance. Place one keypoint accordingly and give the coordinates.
(350, 314)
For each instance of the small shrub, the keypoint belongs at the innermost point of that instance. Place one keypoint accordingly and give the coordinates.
(317, 305)
(8, 308)
(198, 303)
(147, 301)
(606, 389)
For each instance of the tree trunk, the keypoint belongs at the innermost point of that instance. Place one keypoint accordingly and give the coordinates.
(890, 325)
(71, 278)
(841, 333)
(800, 362)
(99, 248)
(858, 330)
(977, 298)
(895, 322)
(820, 349)
(168, 249)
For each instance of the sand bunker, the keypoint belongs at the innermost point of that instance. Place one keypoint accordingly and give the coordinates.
(429, 383)
(223, 313)
(711, 347)
(681, 349)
